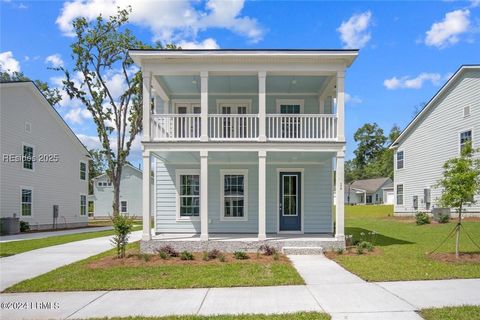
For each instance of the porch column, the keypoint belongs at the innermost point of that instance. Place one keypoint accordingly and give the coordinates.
(204, 195)
(262, 195)
(339, 189)
(204, 105)
(262, 105)
(146, 194)
(147, 96)
(341, 106)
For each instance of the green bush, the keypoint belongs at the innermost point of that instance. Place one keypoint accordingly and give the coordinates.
(339, 250)
(443, 218)
(122, 225)
(185, 255)
(364, 245)
(205, 256)
(276, 256)
(240, 255)
(221, 257)
(163, 255)
(24, 226)
(422, 218)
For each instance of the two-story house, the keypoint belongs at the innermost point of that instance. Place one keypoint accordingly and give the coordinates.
(244, 144)
(438, 133)
(44, 167)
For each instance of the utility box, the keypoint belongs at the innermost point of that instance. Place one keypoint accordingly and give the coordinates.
(9, 225)
(439, 212)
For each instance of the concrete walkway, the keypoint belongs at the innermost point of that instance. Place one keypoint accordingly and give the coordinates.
(46, 234)
(329, 288)
(33, 263)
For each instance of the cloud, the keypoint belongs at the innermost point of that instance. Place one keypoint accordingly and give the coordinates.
(474, 3)
(8, 63)
(446, 32)
(92, 142)
(205, 44)
(169, 21)
(55, 60)
(78, 115)
(354, 32)
(415, 83)
(349, 99)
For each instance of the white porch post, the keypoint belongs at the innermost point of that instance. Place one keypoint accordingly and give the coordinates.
(147, 95)
(204, 105)
(262, 195)
(341, 105)
(339, 188)
(204, 195)
(262, 105)
(146, 194)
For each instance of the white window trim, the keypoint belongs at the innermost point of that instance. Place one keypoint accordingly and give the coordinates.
(20, 212)
(234, 103)
(182, 102)
(396, 159)
(33, 155)
(178, 173)
(300, 102)
(80, 206)
(296, 203)
(459, 137)
(243, 172)
(80, 170)
(302, 200)
(126, 206)
(403, 194)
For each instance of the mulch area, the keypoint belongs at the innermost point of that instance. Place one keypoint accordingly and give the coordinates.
(134, 259)
(351, 251)
(450, 257)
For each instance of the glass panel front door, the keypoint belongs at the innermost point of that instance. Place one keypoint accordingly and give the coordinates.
(290, 201)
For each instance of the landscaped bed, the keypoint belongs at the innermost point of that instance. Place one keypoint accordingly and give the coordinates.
(402, 247)
(139, 271)
(452, 313)
(296, 316)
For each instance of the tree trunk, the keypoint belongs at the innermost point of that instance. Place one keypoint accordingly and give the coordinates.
(116, 191)
(457, 244)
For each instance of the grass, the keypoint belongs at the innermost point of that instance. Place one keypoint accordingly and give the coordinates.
(403, 246)
(16, 247)
(80, 275)
(452, 313)
(297, 316)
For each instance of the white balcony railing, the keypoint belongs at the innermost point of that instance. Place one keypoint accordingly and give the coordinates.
(316, 127)
(245, 127)
(233, 126)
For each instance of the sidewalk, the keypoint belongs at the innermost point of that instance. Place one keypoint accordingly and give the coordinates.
(33, 263)
(329, 288)
(46, 234)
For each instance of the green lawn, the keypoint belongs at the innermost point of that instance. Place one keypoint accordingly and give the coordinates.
(16, 247)
(403, 246)
(452, 313)
(296, 316)
(237, 273)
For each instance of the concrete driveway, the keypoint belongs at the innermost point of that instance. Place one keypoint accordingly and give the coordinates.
(46, 234)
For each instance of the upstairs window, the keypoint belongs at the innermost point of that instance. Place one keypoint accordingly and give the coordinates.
(83, 171)
(465, 137)
(27, 157)
(400, 159)
(399, 194)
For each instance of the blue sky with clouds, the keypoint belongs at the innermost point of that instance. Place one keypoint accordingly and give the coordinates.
(407, 49)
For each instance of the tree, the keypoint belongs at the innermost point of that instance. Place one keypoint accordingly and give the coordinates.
(100, 51)
(460, 183)
(96, 167)
(371, 143)
(51, 94)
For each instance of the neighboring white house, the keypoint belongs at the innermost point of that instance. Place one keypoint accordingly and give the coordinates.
(436, 134)
(44, 165)
(369, 191)
(244, 142)
(130, 193)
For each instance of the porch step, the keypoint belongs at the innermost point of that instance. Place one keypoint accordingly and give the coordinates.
(303, 250)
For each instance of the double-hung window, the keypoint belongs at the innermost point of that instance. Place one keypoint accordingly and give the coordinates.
(234, 194)
(27, 202)
(188, 184)
(400, 157)
(83, 171)
(123, 206)
(465, 137)
(27, 157)
(399, 194)
(83, 205)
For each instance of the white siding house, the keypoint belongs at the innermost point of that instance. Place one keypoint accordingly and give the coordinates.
(130, 193)
(368, 191)
(244, 144)
(43, 163)
(435, 135)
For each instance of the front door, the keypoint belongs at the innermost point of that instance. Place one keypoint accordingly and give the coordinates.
(290, 201)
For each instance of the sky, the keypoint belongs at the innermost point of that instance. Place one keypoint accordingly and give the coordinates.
(407, 49)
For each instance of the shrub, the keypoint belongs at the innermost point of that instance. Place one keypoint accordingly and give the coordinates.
(122, 225)
(339, 250)
(364, 245)
(214, 254)
(185, 255)
(276, 256)
(145, 257)
(359, 249)
(168, 250)
(240, 255)
(205, 256)
(221, 257)
(422, 218)
(267, 250)
(163, 255)
(24, 226)
(443, 218)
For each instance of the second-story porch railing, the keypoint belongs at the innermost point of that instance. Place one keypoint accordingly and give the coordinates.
(245, 127)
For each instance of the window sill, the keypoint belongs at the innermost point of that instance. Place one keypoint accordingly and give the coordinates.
(186, 219)
(233, 219)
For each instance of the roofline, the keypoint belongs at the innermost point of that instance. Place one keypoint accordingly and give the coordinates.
(126, 164)
(242, 50)
(38, 91)
(434, 99)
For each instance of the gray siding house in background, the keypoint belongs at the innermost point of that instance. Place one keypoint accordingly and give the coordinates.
(438, 132)
(130, 193)
(369, 191)
(43, 163)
